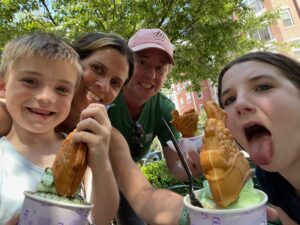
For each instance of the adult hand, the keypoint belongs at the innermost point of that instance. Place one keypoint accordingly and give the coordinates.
(189, 148)
(272, 214)
(14, 220)
(193, 161)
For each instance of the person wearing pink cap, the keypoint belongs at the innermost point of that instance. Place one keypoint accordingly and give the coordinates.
(139, 108)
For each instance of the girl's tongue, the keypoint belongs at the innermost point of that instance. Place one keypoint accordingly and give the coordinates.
(261, 149)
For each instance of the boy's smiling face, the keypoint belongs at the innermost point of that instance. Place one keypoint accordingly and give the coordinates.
(39, 92)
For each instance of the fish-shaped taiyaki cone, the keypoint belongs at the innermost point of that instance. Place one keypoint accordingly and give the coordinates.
(69, 167)
(222, 162)
(186, 123)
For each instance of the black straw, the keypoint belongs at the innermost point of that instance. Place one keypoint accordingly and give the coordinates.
(194, 200)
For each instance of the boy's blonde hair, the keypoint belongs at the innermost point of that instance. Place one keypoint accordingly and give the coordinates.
(38, 44)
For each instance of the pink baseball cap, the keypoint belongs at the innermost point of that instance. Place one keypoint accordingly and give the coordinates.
(151, 38)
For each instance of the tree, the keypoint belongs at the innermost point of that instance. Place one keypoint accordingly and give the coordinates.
(206, 33)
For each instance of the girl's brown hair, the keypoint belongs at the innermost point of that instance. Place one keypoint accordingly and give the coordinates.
(288, 66)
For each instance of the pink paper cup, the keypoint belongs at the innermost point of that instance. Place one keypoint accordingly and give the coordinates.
(253, 215)
(37, 211)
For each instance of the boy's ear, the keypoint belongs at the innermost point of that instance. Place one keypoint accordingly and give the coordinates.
(2, 87)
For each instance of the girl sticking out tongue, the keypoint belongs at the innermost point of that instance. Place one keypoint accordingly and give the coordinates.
(260, 93)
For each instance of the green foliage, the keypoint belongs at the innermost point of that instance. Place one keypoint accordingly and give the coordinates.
(206, 33)
(158, 175)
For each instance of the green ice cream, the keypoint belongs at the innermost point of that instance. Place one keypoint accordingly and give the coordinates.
(50, 196)
(46, 189)
(249, 196)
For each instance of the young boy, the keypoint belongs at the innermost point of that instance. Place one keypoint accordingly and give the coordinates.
(40, 74)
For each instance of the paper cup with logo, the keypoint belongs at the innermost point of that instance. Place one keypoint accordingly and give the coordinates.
(252, 215)
(37, 210)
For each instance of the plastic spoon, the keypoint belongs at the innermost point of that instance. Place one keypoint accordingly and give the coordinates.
(109, 106)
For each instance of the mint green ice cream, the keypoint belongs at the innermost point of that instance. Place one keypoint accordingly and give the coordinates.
(46, 190)
(249, 196)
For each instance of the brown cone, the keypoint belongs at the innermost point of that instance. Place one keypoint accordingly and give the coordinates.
(69, 167)
(222, 162)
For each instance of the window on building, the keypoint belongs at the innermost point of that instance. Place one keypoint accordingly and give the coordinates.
(181, 102)
(296, 48)
(256, 5)
(199, 94)
(286, 17)
(189, 98)
(263, 34)
(186, 85)
(178, 89)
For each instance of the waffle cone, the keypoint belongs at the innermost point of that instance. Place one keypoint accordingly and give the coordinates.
(69, 167)
(186, 123)
(223, 164)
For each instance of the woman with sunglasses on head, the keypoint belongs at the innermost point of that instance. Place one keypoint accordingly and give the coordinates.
(261, 94)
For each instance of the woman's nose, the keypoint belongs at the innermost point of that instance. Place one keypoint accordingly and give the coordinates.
(103, 85)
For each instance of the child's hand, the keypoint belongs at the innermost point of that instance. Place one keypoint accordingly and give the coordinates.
(94, 129)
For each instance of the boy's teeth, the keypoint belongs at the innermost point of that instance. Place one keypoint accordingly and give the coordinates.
(39, 111)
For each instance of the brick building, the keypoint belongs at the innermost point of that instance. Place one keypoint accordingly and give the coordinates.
(286, 29)
(185, 100)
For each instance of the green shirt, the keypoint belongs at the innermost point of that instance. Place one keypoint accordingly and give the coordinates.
(154, 109)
